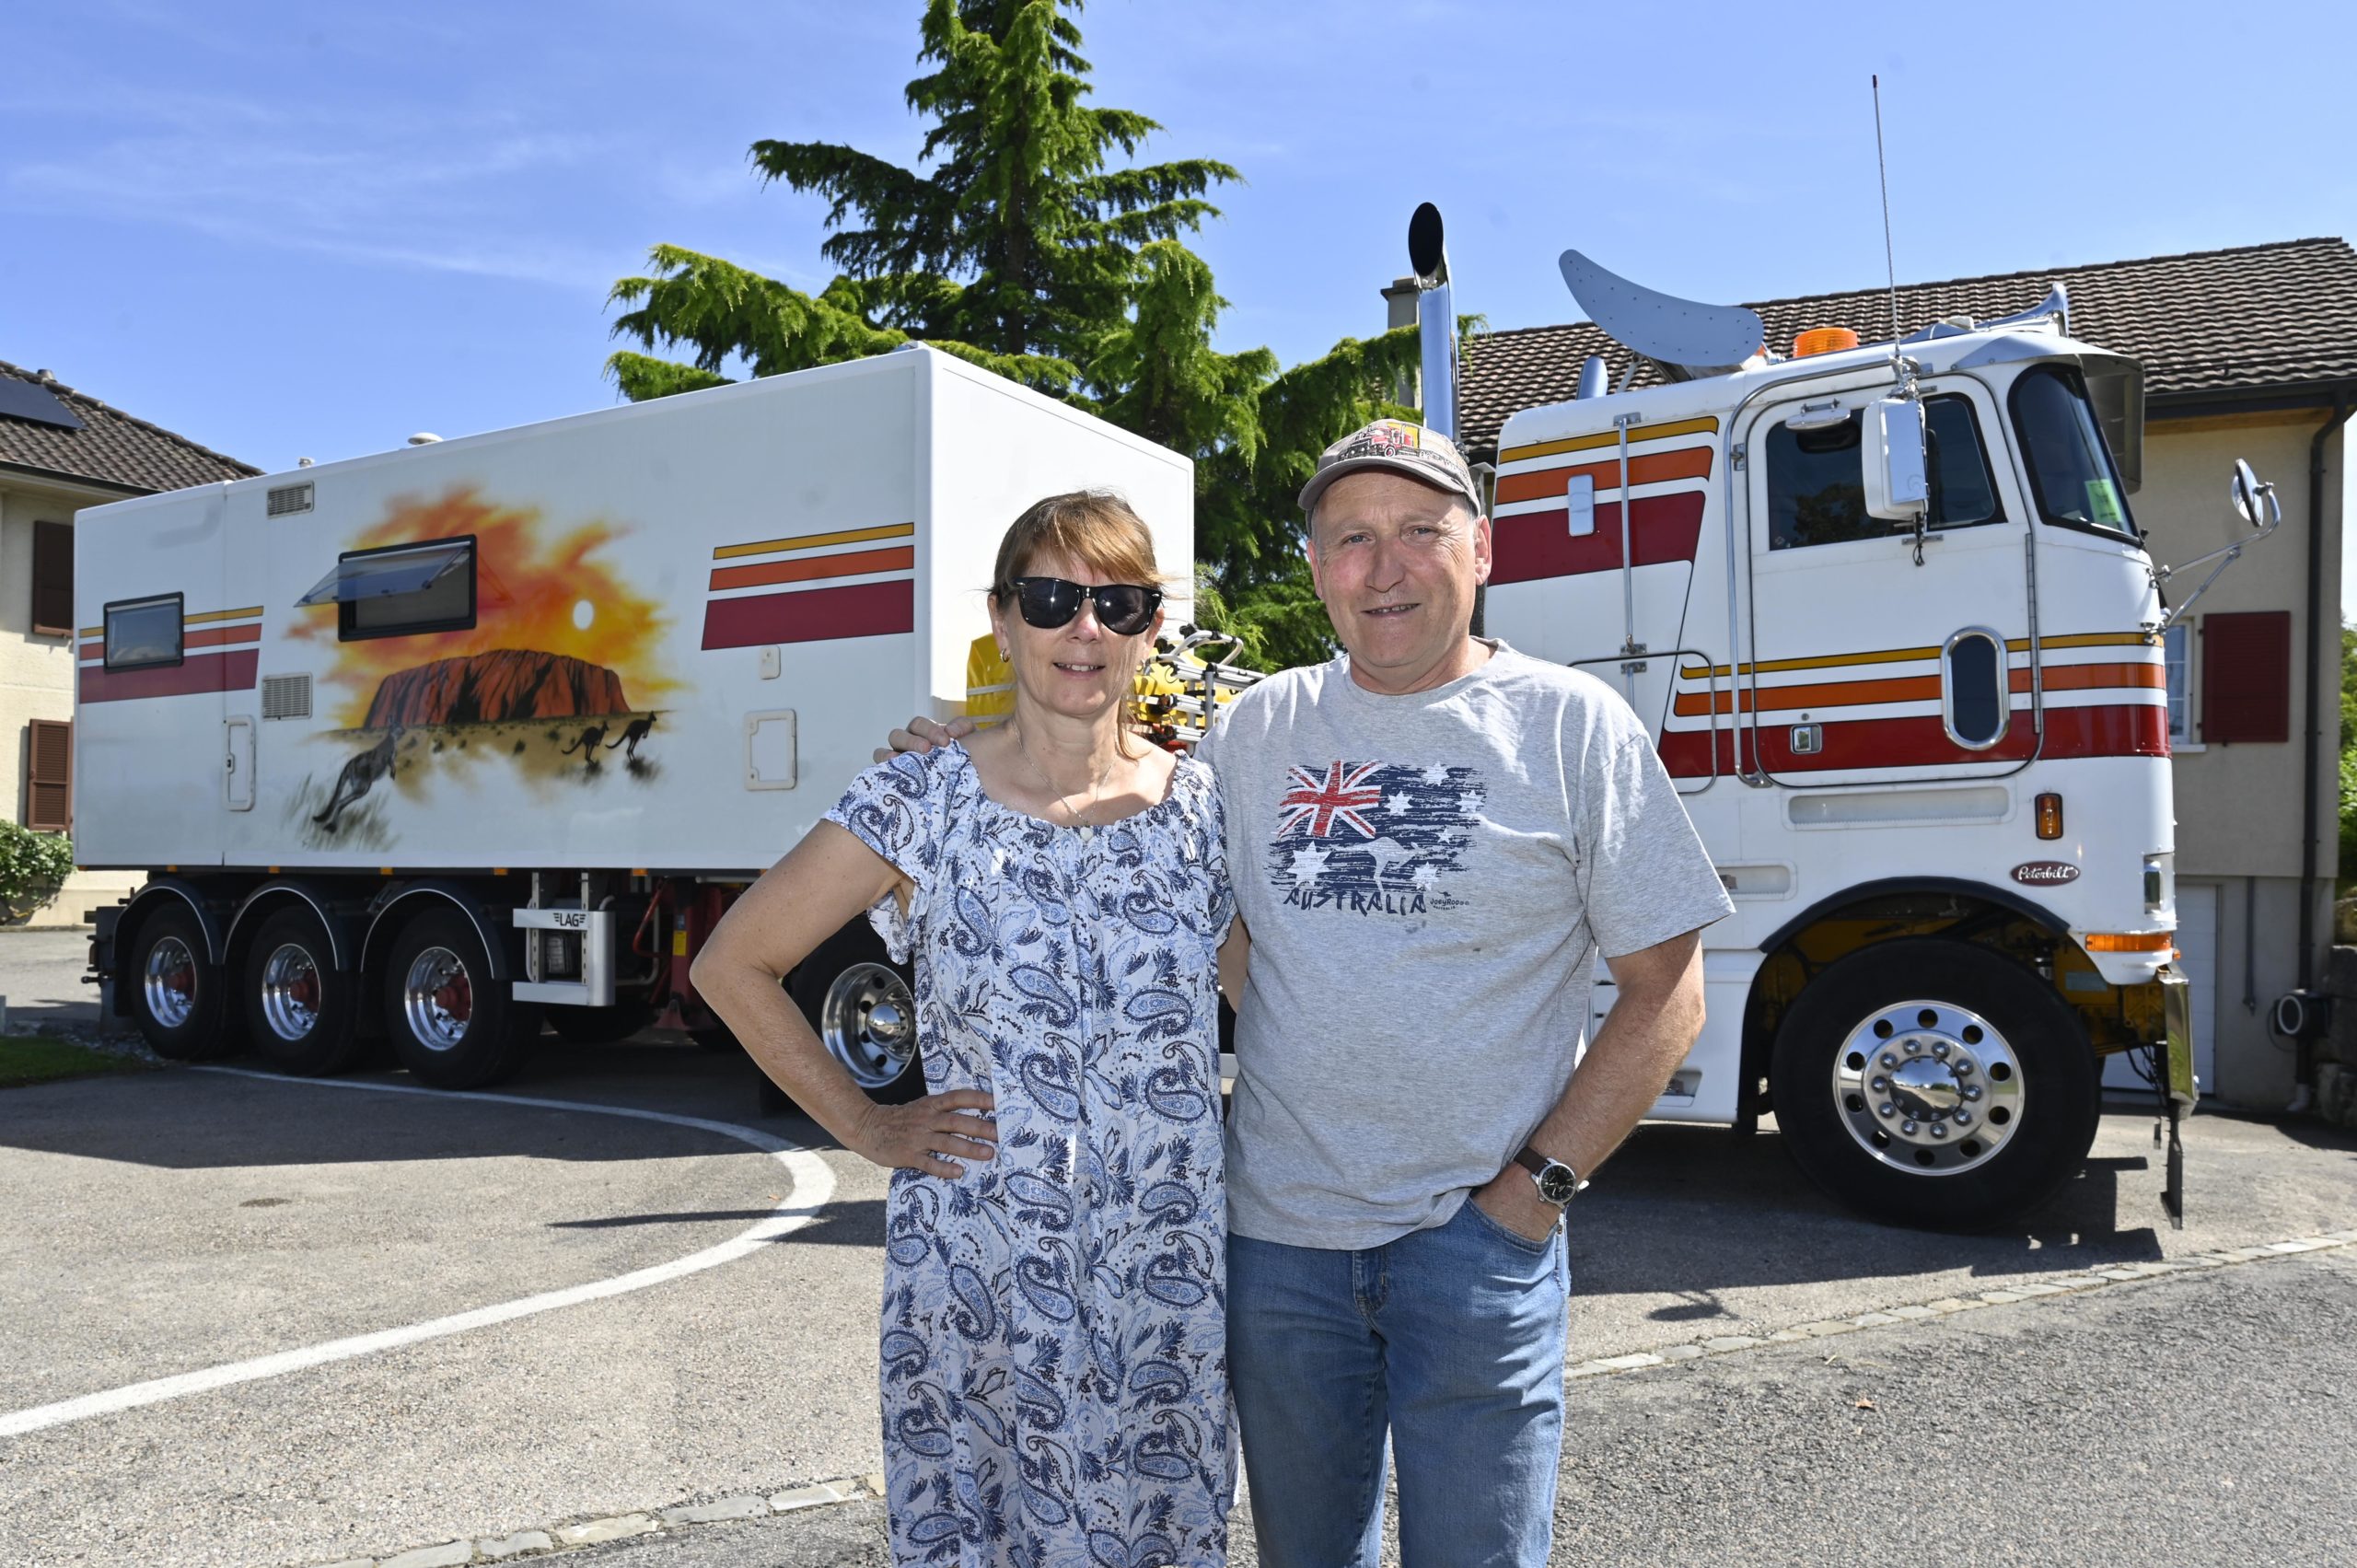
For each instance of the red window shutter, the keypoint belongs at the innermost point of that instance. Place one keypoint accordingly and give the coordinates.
(54, 580)
(49, 775)
(2247, 677)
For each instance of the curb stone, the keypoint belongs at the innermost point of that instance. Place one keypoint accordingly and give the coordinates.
(848, 1489)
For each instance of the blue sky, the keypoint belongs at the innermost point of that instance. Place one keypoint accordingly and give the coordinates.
(296, 230)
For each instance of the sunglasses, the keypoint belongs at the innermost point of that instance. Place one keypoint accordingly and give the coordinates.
(1123, 608)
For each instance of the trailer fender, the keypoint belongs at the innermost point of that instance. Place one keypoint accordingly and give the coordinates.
(408, 898)
(343, 948)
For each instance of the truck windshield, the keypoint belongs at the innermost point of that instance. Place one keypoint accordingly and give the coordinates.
(2070, 469)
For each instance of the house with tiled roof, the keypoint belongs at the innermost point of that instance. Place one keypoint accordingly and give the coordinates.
(2247, 353)
(60, 450)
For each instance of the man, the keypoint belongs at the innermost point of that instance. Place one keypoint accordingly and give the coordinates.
(1431, 837)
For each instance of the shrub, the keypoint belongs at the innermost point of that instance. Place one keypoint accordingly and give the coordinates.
(33, 865)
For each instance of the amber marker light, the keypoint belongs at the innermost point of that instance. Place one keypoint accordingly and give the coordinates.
(1823, 339)
(2132, 942)
(2049, 816)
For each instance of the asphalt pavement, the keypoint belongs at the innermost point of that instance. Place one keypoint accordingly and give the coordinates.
(162, 1226)
(2201, 1420)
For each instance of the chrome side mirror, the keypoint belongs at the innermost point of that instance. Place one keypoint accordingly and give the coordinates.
(1898, 489)
(2255, 500)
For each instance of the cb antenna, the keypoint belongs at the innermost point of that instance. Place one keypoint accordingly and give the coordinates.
(1890, 265)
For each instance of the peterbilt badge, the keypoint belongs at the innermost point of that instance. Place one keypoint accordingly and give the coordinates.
(2045, 873)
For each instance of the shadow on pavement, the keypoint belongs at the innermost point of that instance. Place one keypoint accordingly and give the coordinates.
(185, 1119)
(853, 1222)
(1691, 1212)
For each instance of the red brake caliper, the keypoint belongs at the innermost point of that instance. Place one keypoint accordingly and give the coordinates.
(456, 997)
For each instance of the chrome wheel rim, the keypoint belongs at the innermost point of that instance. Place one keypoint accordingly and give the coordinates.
(438, 999)
(1929, 1087)
(290, 992)
(868, 1023)
(169, 984)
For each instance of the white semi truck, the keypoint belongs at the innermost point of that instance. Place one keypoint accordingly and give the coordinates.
(432, 745)
(1886, 610)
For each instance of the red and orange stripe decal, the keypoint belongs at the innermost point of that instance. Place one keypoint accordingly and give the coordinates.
(813, 606)
(218, 653)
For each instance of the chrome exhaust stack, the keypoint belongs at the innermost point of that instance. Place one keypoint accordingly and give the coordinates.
(1436, 320)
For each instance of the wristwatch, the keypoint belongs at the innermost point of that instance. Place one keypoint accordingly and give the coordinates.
(1557, 1182)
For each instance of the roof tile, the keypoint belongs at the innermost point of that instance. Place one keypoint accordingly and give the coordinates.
(111, 446)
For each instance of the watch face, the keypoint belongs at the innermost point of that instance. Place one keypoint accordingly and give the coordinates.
(1557, 1183)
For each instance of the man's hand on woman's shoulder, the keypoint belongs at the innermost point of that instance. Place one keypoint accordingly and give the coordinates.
(923, 735)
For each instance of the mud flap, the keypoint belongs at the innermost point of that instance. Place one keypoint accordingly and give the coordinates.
(2176, 1085)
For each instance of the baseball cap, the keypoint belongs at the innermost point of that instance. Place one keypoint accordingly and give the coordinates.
(1401, 447)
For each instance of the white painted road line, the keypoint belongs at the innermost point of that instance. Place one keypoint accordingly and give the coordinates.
(813, 1184)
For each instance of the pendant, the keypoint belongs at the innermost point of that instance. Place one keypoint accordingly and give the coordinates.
(1087, 832)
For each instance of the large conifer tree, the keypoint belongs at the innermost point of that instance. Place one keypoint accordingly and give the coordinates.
(1019, 245)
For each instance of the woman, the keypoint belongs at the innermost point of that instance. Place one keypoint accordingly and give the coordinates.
(1054, 1365)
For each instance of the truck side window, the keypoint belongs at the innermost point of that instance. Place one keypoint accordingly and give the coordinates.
(2071, 471)
(143, 633)
(401, 589)
(1815, 494)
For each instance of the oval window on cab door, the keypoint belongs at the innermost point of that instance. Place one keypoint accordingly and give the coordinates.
(1974, 705)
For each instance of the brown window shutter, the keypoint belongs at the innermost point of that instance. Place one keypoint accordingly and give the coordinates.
(2247, 677)
(54, 580)
(49, 775)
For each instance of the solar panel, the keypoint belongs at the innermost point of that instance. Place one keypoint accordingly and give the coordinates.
(23, 399)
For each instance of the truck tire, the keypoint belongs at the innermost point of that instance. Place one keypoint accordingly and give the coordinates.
(299, 1006)
(451, 1025)
(1935, 1084)
(598, 1026)
(863, 1007)
(177, 997)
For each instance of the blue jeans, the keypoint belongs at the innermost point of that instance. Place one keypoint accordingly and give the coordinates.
(1453, 1338)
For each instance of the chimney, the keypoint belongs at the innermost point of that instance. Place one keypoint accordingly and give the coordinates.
(1399, 310)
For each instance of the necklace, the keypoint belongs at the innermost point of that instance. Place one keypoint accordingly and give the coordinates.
(1087, 830)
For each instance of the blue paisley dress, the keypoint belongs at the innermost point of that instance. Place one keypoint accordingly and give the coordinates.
(1054, 1341)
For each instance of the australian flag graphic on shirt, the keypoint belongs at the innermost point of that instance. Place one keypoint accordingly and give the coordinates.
(1372, 838)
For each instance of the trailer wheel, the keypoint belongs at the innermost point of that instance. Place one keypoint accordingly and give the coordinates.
(177, 997)
(299, 1004)
(864, 1012)
(1935, 1084)
(598, 1026)
(451, 1024)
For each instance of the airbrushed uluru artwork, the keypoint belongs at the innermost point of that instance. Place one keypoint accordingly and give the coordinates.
(558, 672)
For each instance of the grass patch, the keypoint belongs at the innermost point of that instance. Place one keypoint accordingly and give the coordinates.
(38, 1058)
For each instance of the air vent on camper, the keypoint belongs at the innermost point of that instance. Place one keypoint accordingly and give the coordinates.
(286, 696)
(290, 498)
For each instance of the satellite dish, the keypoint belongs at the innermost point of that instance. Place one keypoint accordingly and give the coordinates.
(1683, 337)
(1424, 252)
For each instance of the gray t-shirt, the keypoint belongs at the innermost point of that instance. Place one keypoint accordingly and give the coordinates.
(1428, 879)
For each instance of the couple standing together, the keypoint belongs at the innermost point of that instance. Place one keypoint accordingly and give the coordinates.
(1400, 866)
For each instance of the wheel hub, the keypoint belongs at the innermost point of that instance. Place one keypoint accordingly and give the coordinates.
(1928, 1088)
(169, 984)
(868, 1023)
(290, 992)
(437, 998)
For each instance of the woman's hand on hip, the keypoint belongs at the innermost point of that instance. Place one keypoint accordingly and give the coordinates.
(929, 1134)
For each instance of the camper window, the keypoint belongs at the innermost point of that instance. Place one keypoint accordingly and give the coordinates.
(2071, 470)
(401, 589)
(1816, 492)
(143, 633)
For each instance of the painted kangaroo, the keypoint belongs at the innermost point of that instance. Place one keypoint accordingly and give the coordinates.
(588, 744)
(359, 776)
(640, 729)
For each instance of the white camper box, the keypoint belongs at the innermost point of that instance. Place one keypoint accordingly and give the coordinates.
(578, 679)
